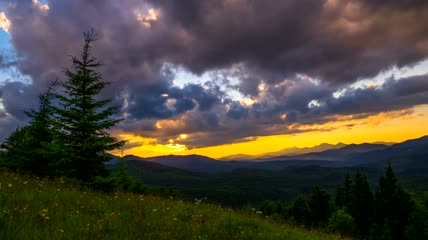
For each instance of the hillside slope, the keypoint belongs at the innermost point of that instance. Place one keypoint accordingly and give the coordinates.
(194, 163)
(406, 149)
(41, 209)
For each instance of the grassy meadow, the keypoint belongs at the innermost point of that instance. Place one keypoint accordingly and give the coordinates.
(33, 208)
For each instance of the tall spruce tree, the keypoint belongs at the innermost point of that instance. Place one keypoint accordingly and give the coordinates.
(83, 120)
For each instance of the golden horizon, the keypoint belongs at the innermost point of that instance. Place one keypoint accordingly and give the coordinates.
(394, 127)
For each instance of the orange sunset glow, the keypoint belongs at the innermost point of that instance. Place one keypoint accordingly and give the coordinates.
(384, 127)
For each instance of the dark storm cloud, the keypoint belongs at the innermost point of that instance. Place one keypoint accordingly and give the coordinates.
(210, 120)
(392, 95)
(237, 111)
(184, 105)
(264, 119)
(206, 99)
(146, 101)
(221, 33)
(150, 100)
(408, 4)
(17, 98)
(250, 86)
(337, 41)
(282, 45)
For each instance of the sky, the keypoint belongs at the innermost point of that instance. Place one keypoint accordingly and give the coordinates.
(226, 77)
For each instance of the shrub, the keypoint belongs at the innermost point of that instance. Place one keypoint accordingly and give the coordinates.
(342, 222)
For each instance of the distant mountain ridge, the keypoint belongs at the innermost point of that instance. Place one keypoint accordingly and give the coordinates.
(409, 148)
(293, 151)
(348, 155)
(196, 163)
(336, 154)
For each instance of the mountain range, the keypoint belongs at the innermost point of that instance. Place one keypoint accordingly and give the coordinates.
(293, 151)
(339, 155)
(335, 154)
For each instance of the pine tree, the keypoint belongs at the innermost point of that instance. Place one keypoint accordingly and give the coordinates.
(319, 204)
(347, 190)
(343, 193)
(83, 120)
(13, 148)
(42, 133)
(418, 223)
(340, 197)
(361, 205)
(28, 148)
(300, 212)
(392, 205)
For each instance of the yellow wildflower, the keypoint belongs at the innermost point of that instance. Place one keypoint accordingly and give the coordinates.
(10, 185)
(100, 224)
(44, 215)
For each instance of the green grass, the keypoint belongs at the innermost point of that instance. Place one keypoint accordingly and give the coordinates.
(32, 208)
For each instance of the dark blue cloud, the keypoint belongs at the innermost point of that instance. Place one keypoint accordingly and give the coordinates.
(147, 101)
(206, 98)
(237, 111)
(210, 119)
(183, 105)
(392, 95)
(17, 97)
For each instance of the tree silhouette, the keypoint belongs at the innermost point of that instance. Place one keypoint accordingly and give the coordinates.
(344, 193)
(300, 211)
(393, 208)
(361, 204)
(29, 148)
(82, 119)
(319, 204)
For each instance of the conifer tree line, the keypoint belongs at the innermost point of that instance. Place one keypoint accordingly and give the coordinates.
(388, 212)
(68, 134)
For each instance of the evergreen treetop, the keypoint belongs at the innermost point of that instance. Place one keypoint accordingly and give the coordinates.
(393, 205)
(82, 119)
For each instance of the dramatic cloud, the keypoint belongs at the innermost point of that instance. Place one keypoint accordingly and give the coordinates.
(337, 41)
(279, 64)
